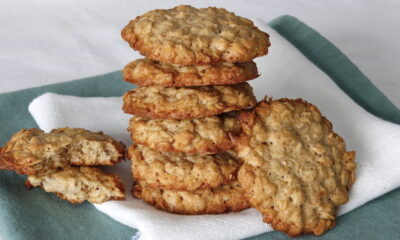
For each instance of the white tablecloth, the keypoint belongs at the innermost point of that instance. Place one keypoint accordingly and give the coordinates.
(46, 41)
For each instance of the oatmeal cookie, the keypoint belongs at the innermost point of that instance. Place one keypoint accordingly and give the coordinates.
(145, 72)
(33, 151)
(77, 184)
(187, 102)
(206, 135)
(296, 170)
(227, 198)
(179, 171)
(189, 36)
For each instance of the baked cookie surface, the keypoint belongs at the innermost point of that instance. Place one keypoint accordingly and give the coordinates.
(33, 151)
(145, 72)
(179, 171)
(206, 135)
(189, 36)
(296, 170)
(187, 102)
(227, 198)
(77, 184)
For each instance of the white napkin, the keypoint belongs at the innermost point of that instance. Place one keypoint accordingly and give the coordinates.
(285, 72)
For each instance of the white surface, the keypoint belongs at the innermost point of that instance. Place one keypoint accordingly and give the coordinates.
(48, 41)
(376, 142)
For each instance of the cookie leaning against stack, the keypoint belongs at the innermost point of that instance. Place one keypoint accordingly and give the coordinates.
(191, 82)
(296, 170)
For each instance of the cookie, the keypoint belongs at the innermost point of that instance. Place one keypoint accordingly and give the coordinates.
(208, 135)
(187, 102)
(77, 184)
(186, 35)
(145, 72)
(296, 170)
(179, 171)
(33, 151)
(227, 198)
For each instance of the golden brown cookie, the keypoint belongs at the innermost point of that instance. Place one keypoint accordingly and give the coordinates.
(33, 151)
(206, 135)
(296, 170)
(227, 198)
(77, 184)
(187, 102)
(145, 72)
(179, 171)
(189, 36)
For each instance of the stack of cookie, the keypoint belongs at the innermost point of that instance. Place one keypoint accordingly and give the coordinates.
(191, 82)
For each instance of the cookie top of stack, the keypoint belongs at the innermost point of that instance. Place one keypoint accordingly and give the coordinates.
(186, 35)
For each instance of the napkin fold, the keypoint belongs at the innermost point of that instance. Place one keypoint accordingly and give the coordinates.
(285, 72)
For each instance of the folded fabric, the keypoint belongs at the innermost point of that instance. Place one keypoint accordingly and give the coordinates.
(285, 72)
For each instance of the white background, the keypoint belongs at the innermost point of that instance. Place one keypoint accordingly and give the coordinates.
(46, 41)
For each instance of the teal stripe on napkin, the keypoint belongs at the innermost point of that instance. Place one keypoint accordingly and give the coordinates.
(34, 214)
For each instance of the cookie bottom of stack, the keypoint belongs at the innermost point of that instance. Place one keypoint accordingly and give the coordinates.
(187, 183)
(226, 198)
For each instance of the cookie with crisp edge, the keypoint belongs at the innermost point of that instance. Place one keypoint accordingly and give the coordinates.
(186, 35)
(180, 171)
(296, 170)
(208, 135)
(227, 198)
(78, 184)
(145, 72)
(31, 151)
(187, 102)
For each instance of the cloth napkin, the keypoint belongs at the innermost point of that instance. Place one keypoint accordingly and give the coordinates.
(285, 72)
